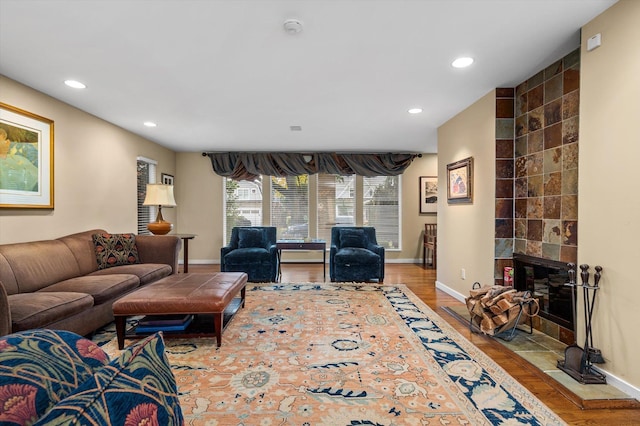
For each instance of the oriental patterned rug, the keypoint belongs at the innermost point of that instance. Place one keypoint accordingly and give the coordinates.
(342, 354)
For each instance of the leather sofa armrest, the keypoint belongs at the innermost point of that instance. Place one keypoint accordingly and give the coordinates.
(159, 249)
(5, 313)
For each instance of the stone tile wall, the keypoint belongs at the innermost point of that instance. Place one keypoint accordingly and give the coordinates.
(546, 162)
(537, 166)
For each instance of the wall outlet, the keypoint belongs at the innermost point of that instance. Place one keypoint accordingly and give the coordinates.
(463, 274)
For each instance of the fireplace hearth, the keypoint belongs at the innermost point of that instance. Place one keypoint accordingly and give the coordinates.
(545, 280)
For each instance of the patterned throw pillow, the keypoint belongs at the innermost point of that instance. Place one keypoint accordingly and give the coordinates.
(248, 238)
(38, 368)
(115, 250)
(352, 238)
(137, 388)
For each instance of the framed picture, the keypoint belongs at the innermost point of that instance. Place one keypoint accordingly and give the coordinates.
(26, 159)
(460, 181)
(167, 179)
(428, 194)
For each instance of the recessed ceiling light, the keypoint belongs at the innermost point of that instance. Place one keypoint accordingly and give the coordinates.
(150, 124)
(292, 26)
(415, 110)
(462, 62)
(75, 84)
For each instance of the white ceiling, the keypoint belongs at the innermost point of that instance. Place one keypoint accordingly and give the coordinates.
(223, 75)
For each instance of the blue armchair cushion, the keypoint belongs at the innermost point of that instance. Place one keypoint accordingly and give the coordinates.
(356, 257)
(353, 238)
(248, 237)
(136, 388)
(38, 368)
(248, 255)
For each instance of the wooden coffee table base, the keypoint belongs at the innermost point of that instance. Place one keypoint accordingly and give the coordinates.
(212, 298)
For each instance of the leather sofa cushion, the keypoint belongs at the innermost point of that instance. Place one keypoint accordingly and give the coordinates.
(146, 272)
(81, 245)
(102, 287)
(38, 309)
(356, 257)
(246, 256)
(37, 264)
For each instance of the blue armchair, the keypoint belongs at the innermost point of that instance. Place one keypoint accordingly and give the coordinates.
(355, 255)
(252, 249)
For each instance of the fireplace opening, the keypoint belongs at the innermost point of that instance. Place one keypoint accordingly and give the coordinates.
(545, 280)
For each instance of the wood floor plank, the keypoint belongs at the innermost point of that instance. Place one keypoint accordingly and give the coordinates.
(422, 282)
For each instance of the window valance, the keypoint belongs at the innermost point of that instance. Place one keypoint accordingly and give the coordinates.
(248, 166)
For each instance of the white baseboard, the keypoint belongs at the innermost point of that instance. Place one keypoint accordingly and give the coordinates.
(612, 380)
(202, 262)
(618, 383)
(451, 292)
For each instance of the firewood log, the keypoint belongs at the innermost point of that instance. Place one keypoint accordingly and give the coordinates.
(502, 305)
(479, 292)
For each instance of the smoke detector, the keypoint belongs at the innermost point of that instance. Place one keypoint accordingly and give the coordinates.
(292, 26)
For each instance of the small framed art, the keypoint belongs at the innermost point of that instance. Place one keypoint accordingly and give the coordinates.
(460, 182)
(428, 194)
(166, 179)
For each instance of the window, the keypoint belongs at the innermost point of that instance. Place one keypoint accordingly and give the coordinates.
(290, 206)
(336, 203)
(382, 209)
(243, 204)
(146, 174)
(338, 200)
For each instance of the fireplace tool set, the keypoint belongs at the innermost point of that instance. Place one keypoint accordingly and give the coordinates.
(578, 362)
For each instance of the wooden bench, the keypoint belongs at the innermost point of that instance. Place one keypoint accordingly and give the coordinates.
(204, 295)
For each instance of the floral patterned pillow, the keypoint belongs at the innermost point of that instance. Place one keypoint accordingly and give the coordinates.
(115, 250)
(136, 388)
(38, 368)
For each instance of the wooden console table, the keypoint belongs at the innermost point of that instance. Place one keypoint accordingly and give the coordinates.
(317, 245)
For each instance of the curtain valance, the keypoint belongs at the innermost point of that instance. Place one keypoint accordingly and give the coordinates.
(248, 166)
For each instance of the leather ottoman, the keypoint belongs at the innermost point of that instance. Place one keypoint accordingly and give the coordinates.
(193, 293)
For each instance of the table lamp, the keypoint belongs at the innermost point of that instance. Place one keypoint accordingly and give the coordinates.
(159, 195)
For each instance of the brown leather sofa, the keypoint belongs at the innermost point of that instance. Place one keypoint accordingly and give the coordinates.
(56, 284)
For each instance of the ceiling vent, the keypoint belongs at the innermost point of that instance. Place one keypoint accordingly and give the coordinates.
(295, 128)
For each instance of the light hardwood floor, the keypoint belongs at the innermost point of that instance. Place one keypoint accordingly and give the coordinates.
(422, 282)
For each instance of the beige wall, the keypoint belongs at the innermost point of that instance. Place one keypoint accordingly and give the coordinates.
(609, 152)
(200, 209)
(466, 231)
(94, 172)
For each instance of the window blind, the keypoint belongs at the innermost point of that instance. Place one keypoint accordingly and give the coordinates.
(146, 174)
(336, 203)
(290, 206)
(382, 209)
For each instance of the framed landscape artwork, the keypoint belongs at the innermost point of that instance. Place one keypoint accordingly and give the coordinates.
(26, 159)
(428, 194)
(460, 181)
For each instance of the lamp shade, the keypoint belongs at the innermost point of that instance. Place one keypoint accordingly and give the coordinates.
(159, 195)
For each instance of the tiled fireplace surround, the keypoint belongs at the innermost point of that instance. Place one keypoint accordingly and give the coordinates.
(537, 171)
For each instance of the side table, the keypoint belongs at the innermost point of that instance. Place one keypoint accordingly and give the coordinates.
(185, 240)
(303, 245)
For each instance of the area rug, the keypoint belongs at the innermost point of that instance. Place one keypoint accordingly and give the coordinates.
(342, 354)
